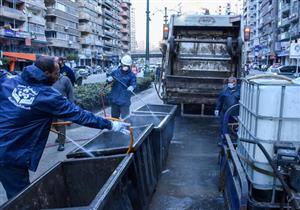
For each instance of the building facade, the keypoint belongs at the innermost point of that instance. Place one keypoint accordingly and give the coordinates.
(133, 42)
(91, 32)
(125, 26)
(268, 18)
(111, 28)
(62, 31)
(288, 29)
(22, 26)
(250, 18)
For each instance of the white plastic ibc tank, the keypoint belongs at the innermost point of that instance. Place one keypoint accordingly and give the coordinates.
(263, 102)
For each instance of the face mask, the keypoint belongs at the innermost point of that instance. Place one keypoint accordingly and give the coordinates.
(125, 68)
(231, 85)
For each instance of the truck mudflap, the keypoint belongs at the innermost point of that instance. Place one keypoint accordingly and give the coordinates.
(233, 180)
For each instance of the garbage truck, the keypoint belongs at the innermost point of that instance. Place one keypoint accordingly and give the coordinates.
(199, 52)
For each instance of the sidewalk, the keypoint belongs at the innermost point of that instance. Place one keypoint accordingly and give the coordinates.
(81, 135)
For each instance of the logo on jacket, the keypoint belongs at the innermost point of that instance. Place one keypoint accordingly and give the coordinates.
(23, 96)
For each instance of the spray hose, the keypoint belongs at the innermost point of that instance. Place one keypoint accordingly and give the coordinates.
(130, 147)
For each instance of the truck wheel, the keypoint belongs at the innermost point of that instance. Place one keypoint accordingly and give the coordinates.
(79, 81)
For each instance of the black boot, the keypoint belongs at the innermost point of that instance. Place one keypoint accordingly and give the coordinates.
(61, 147)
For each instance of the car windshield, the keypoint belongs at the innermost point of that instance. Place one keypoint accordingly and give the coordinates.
(288, 69)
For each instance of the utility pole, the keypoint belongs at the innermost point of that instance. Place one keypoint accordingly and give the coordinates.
(147, 36)
(166, 16)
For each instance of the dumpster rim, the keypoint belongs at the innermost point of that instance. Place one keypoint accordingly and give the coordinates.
(110, 151)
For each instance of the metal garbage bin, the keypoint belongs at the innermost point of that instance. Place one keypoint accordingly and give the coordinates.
(143, 171)
(91, 183)
(156, 109)
(160, 109)
(160, 136)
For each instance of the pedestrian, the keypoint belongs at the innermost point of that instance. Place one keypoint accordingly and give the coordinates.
(158, 72)
(228, 97)
(66, 70)
(123, 83)
(28, 104)
(64, 86)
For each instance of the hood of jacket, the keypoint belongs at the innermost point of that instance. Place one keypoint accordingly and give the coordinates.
(33, 74)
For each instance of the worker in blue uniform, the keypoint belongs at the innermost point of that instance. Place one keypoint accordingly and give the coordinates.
(123, 83)
(228, 97)
(28, 105)
(66, 70)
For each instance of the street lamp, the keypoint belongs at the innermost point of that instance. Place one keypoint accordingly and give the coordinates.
(147, 36)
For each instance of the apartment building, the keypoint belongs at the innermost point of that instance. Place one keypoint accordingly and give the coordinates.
(91, 32)
(267, 31)
(62, 31)
(288, 28)
(133, 42)
(22, 26)
(250, 18)
(125, 26)
(111, 28)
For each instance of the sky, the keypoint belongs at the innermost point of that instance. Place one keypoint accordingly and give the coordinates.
(157, 13)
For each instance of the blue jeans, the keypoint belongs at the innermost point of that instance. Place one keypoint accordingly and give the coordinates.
(13, 179)
(117, 111)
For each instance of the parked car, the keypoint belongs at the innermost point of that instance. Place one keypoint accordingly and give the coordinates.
(289, 71)
(82, 70)
(88, 69)
(98, 69)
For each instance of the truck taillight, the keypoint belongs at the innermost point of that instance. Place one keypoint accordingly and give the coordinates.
(165, 32)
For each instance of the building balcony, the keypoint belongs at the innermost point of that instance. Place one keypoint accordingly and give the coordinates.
(284, 36)
(124, 22)
(285, 7)
(62, 43)
(125, 39)
(108, 23)
(108, 43)
(85, 28)
(84, 16)
(86, 41)
(125, 5)
(37, 19)
(108, 3)
(87, 52)
(124, 31)
(294, 18)
(37, 5)
(86, 4)
(109, 13)
(51, 11)
(99, 43)
(12, 13)
(284, 22)
(125, 47)
(124, 14)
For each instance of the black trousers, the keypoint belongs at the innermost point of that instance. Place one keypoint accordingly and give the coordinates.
(13, 179)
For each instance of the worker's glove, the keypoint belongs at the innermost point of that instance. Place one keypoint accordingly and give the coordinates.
(216, 113)
(120, 127)
(130, 88)
(109, 79)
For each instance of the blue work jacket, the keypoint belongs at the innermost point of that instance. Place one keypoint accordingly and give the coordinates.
(119, 94)
(27, 107)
